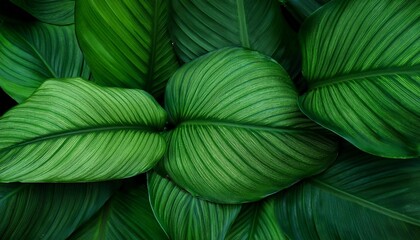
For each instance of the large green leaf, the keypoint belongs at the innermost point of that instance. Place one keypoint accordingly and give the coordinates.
(203, 26)
(360, 197)
(362, 64)
(48, 211)
(239, 135)
(73, 130)
(127, 215)
(183, 216)
(126, 42)
(34, 52)
(60, 12)
(257, 221)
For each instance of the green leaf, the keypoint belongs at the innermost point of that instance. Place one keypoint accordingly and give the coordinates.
(360, 197)
(48, 211)
(72, 130)
(302, 9)
(34, 52)
(362, 64)
(257, 221)
(59, 12)
(239, 135)
(183, 216)
(203, 26)
(127, 215)
(126, 42)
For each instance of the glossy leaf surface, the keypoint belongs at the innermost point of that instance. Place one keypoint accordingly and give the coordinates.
(73, 130)
(362, 64)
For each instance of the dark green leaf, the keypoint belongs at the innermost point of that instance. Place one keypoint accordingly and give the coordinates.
(73, 130)
(183, 216)
(203, 26)
(48, 211)
(127, 215)
(302, 9)
(34, 52)
(239, 135)
(360, 197)
(59, 12)
(362, 63)
(126, 42)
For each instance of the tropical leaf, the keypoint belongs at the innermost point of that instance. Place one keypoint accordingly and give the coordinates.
(48, 211)
(302, 9)
(127, 215)
(59, 12)
(239, 135)
(126, 42)
(360, 197)
(362, 64)
(183, 216)
(203, 26)
(72, 130)
(34, 52)
(257, 221)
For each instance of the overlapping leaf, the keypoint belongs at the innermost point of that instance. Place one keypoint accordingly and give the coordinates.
(257, 221)
(73, 130)
(360, 197)
(203, 26)
(34, 52)
(126, 42)
(48, 211)
(183, 216)
(239, 135)
(127, 215)
(302, 9)
(60, 12)
(362, 64)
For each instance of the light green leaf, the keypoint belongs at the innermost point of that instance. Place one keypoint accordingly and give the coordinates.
(203, 26)
(127, 215)
(257, 221)
(362, 64)
(126, 42)
(72, 130)
(360, 197)
(239, 135)
(59, 12)
(34, 52)
(183, 216)
(48, 211)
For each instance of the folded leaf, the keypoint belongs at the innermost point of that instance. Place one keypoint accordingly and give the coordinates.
(34, 52)
(48, 211)
(59, 12)
(239, 135)
(257, 221)
(127, 215)
(360, 197)
(302, 9)
(126, 42)
(183, 216)
(203, 26)
(72, 130)
(362, 64)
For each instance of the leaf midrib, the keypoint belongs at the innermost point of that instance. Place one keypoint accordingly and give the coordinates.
(76, 132)
(322, 82)
(365, 203)
(243, 28)
(219, 123)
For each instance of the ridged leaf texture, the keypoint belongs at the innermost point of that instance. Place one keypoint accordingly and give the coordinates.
(49, 211)
(73, 130)
(362, 63)
(238, 133)
(360, 197)
(183, 216)
(126, 42)
(33, 52)
(202, 26)
(59, 12)
(127, 215)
